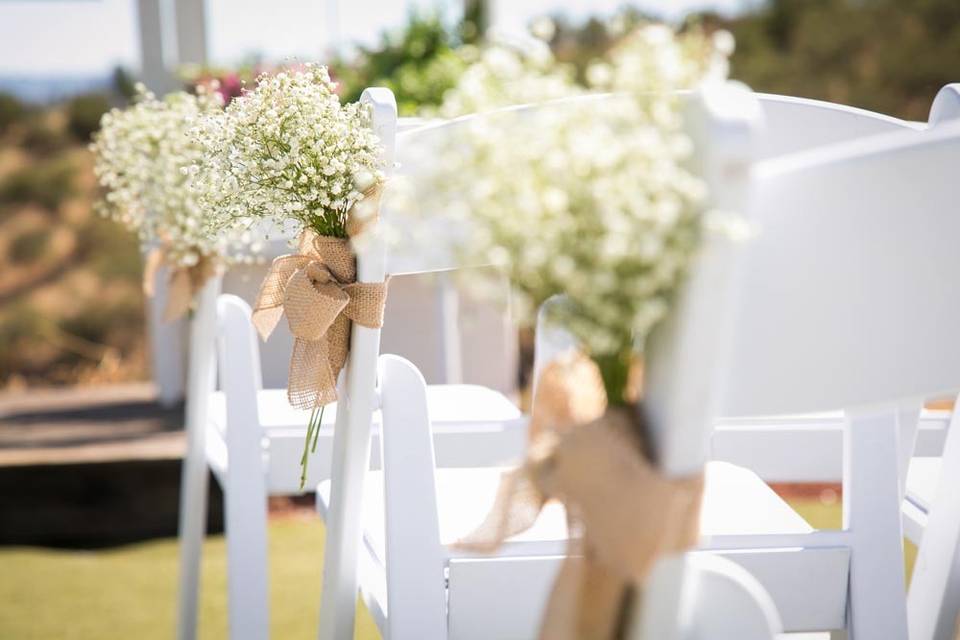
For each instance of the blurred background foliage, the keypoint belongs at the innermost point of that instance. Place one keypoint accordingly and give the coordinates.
(71, 308)
(889, 56)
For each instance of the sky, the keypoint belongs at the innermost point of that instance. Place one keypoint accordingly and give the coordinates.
(90, 37)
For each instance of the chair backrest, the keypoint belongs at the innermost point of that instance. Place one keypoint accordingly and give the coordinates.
(856, 269)
(797, 124)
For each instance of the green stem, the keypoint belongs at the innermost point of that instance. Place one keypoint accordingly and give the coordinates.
(305, 458)
(316, 432)
(615, 371)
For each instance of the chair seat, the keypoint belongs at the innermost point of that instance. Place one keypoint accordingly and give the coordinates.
(473, 426)
(736, 501)
(449, 404)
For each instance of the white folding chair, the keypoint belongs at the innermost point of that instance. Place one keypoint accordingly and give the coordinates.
(849, 207)
(404, 554)
(799, 447)
(867, 227)
(252, 440)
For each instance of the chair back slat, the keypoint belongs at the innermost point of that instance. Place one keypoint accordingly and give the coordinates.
(685, 351)
(245, 503)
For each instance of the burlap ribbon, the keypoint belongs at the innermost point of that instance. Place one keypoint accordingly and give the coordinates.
(183, 284)
(622, 513)
(317, 290)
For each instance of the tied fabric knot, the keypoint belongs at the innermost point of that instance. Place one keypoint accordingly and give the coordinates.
(622, 513)
(183, 284)
(316, 289)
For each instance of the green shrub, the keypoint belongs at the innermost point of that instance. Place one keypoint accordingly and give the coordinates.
(30, 246)
(48, 184)
(419, 64)
(12, 110)
(84, 113)
(42, 139)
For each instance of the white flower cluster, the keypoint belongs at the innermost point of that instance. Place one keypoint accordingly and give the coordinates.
(587, 197)
(140, 153)
(504, 75)
(287, 151)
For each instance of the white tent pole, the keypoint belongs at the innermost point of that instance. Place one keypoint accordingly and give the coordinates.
(154, 72)
(191, 25)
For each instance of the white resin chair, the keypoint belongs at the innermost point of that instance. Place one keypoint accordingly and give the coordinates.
(801, 448)
(830, 222)
(252, 440)
(415, 584)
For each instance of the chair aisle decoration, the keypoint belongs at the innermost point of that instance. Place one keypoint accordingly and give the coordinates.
(597, 198)
(869, 556)
(589, 198)
(251, 431)
(290, 153)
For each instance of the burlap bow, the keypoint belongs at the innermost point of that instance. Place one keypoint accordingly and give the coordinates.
(622, 513)
(317, 290)
(183, 283)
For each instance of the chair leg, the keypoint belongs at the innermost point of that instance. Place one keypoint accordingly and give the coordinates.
(193, 477)
(934, 598)
(192, 529)
(245, 505)
(871, 512)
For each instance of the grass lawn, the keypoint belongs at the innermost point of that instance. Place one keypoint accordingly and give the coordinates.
(129, 592)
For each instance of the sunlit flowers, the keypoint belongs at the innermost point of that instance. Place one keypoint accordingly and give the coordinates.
(140, 154)
(288, 151)
(589, 197)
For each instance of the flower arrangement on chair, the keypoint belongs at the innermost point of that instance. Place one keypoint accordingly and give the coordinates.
(291, 154)
(140, 156)
(592, 201)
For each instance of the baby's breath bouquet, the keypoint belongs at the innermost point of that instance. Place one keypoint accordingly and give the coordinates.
(591, 199)
(140, 155)
(288, 153)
